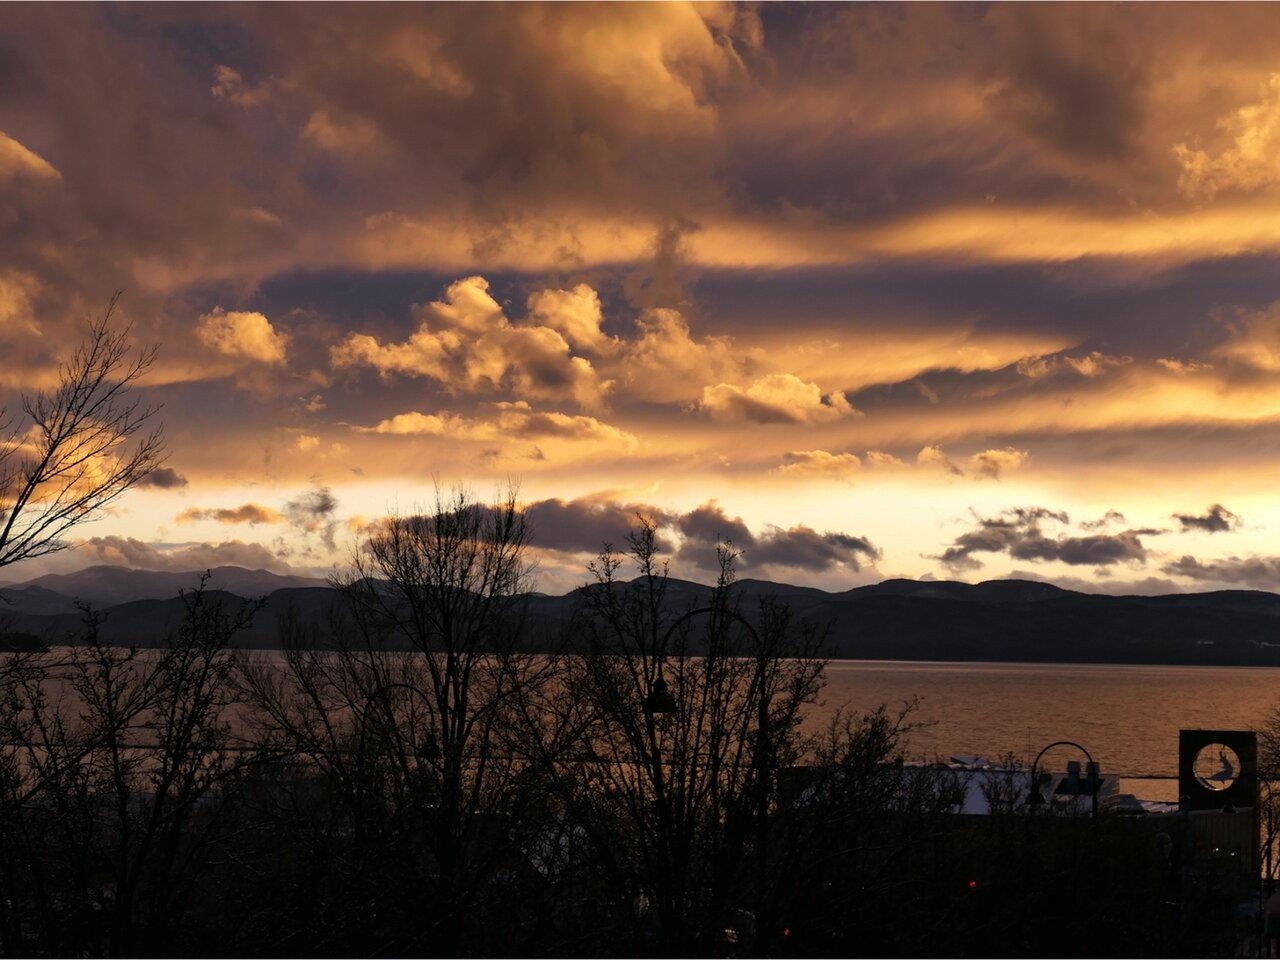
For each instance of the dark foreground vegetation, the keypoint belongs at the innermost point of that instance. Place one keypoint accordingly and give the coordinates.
(647, 791)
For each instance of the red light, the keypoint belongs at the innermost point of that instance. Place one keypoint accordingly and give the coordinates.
(973, 884)
(786, 931)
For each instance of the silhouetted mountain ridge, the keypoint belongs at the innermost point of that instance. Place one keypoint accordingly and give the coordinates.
(106, 584)
(1018, 620)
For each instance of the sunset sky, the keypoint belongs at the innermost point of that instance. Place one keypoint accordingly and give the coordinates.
(954, 291)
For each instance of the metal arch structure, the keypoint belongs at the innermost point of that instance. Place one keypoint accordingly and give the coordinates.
(762, 733)
(364, 726)
(689, 615)
(1035, 786)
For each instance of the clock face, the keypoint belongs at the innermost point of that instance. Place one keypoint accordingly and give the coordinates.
(1216, 766)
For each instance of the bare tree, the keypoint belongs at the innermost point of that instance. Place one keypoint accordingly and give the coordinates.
(77, 447)
(412, 712)
(688, 716)
(114, 775)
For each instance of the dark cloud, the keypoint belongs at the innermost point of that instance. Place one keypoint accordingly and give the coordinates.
(800, 547)
(1108, 518)
(1260, 573)
(586, 525)
(1077, 84)
(250, 513)
(164, 478)
(313, 513)
(1217, 519)
(1018, 532)
(131, 552)
(804, 548)
(710, 524)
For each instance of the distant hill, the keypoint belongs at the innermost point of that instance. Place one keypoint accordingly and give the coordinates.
(106, 585)
(1015, 620)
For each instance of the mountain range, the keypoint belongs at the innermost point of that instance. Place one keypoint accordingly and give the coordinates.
(1005, 620)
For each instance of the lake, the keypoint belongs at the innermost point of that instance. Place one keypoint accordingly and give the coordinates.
(1128, 716)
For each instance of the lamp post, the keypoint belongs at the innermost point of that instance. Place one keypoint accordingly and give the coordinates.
(660, 701)
(1034, 799)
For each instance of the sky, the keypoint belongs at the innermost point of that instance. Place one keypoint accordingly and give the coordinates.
(943, 291)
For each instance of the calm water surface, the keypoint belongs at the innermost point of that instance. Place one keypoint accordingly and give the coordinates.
(1128, 716)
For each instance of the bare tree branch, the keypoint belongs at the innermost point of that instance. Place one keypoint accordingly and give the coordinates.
(78, 446)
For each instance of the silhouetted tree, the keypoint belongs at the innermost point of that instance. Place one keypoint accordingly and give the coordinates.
(413, 713)
(78, 447)
(687, 716)
(116, 768)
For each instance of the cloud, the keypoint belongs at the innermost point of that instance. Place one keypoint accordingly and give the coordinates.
(242, 336)
(777, 398)
(423, 354)
(1108, 518)
(510, 419)
(1074, 87)
(163, 478)
(803, 548)
(933, 456)
(1019, 533)
(666, 364)
(820, 463)
(1091, 364)
(415, 423)
(1183, 367)
(1249, 163)
(17, 161)
(584, 525)
(588, 523)
(1252, 337)
(314, 513)
(228, 84)
(709, 524)
(1217, 519)
(1256, 572)
(992, 463)
(986, 464)
(250, 513)
(466, 342)
(878, 459)
(181, 557)
(18, 291)
(799, 547)
(576, 314)
(343, 134)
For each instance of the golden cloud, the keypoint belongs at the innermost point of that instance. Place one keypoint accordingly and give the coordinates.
(510, 420)
(242, 336)
(820, 463)
(17, 161)
(466, 342)
(1251, 162)
(250, 513)
(776, 398)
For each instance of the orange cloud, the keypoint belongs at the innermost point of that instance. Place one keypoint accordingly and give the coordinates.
(777, 398)
(510, 420)
(466, 342)
(250, 513)
(242, 336)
